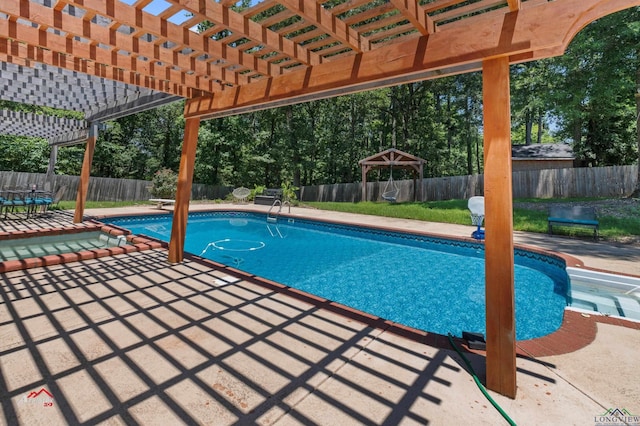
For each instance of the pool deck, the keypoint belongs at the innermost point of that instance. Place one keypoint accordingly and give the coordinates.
(132, 339)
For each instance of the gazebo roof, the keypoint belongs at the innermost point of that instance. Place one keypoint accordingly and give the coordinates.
(547, 151)
(391, 157)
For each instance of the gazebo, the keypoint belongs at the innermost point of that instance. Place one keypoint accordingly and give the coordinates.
(284, 52)
(394, 158)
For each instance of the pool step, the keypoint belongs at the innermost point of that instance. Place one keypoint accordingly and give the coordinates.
(617, 305)
(606, 293)
(630, 306)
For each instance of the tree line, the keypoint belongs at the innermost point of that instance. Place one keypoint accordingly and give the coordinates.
(589, 97)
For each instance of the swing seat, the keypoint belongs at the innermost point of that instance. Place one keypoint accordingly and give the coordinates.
(390, 196)
(391, 190)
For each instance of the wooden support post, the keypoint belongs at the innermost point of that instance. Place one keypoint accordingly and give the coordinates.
(85, 174)
(500, 304)
(53, 158)
(183, 193)
(415, 187)
(364, 183)
(421, 184)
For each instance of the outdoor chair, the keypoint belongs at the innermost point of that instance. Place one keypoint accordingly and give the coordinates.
(476, 206)
(58, 196)
(241, 193)
(391, 189)
(2, 201)
(13, 199)
(38, 201)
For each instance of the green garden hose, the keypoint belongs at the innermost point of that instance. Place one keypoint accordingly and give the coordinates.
(482, 388)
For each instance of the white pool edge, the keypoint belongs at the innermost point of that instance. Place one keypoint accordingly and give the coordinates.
(623, 283)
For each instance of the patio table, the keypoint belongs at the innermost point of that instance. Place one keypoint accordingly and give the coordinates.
(29, 199)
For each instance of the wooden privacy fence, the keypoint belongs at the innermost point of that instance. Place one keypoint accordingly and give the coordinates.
(614, 181)
(101, 189)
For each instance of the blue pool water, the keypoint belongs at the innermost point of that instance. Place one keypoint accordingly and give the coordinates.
(428, 283)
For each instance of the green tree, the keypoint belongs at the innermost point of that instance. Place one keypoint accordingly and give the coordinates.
(23, 154)
(595, 88)
(531, 83)
(221, 157)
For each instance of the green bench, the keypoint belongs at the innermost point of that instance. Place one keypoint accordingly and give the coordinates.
(573, 216)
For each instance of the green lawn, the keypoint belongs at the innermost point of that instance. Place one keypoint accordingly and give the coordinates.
(615, 222)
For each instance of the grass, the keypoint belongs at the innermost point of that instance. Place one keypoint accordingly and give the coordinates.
(530, 220)
(611, 227)
(452, 211)
(617, 226)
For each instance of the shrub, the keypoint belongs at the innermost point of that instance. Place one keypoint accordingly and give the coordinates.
(164, 184)
(257, 190)
(289, 192)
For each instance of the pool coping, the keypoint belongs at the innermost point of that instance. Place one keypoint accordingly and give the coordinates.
(576, 331)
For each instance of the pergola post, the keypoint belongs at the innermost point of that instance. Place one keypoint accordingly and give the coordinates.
(183, 193)
(499, 269)
(53, 158)
(85, 174)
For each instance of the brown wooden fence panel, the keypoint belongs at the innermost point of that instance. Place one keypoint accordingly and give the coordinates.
(101, 189)
(614, 181)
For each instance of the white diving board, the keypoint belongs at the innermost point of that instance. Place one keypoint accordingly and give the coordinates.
(161, 202)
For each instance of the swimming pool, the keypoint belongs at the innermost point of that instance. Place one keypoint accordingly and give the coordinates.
(24, 248)
(428, 283)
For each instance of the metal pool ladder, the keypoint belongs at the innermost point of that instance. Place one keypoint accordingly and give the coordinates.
(272, 217)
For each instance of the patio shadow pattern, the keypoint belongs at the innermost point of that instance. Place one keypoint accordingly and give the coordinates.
(132, 339)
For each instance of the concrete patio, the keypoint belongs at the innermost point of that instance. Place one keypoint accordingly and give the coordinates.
(131, 339)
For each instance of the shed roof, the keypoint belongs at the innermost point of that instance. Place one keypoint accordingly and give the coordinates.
(547, 151)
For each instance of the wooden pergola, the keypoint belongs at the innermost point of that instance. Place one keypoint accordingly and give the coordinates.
(95, 98)
(393, 157)
(283, 52)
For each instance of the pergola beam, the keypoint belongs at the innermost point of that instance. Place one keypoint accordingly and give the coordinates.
(224, 17)
(145, 23)
(547, 27)
(322, 18)
(411, 10)
(14, 52)
(106, 44)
